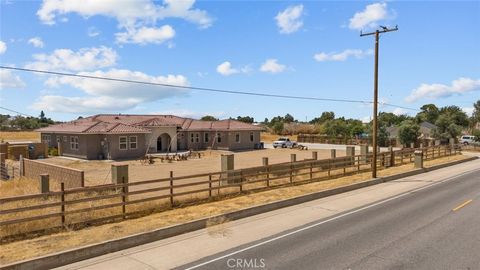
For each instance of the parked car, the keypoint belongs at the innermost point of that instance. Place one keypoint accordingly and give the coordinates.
(284, 142)
(467, 139)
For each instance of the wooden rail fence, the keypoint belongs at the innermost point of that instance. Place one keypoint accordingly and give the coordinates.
(88, 205)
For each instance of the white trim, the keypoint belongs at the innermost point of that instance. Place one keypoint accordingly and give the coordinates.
(120, 143)
(130, 142)
(74, 144)
(206, 137)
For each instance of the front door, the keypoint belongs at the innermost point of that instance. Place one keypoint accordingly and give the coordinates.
(159, 144)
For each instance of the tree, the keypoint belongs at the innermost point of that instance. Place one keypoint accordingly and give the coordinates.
(355, 127)
(408, 132)
(450, 123)
(324, 117)
(335, 128)
(475, 119)
(246, 119)
(43, 119)
(289, 118)
(277, 128)
(209, 118)
(429, 113)
(446, 128)
(390, 119)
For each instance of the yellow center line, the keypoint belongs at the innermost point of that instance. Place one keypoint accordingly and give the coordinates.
(462, 205)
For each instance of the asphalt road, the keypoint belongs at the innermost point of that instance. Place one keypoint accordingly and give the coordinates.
(437, 227)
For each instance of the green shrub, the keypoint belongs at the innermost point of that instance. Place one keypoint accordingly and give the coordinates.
(52, 151)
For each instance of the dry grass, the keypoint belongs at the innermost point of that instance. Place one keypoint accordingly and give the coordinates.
(12, 136)
(97, 172)
(72, 239)
(268, 137)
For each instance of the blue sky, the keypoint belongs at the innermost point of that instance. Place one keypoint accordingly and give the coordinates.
(309, 48)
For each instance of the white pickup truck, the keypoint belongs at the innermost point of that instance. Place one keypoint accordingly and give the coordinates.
(284, 142)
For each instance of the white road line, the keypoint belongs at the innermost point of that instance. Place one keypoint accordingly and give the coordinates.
(328, 220)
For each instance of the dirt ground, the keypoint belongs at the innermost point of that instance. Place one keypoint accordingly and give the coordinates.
(97, 172)
(76, 238)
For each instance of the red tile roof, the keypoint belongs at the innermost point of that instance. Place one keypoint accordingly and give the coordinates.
(132, 123)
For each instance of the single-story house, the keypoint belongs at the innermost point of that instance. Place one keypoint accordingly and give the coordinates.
(121, 136)
(426, 132)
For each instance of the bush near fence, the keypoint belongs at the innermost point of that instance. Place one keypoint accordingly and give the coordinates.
(71, 177)
(74, 208)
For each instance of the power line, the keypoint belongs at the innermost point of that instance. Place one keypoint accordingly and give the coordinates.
(19, 113)
(200, 88)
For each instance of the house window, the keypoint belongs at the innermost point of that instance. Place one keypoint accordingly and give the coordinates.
(251, 136)
(237, 137)
(133, 142)
(122, 143)
(219, 138)
(206, 137)
(197, 137)
(65, 139)
(192, 138)
(74, 142)
(46, 138)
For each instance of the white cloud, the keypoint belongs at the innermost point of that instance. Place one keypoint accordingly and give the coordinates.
(184, 10)
(369, 17)
(272, 66)
(146, 35)
(289, 20)
(437, 90)
(132, 15)
(93, 32)
(3, 47)
(82, 104)
(36, 42)
(226, 69)
(322, 57)
(83, 59)
(9, 80)
(468, 110)
(366, 119)
(107, 95)
(399, 111)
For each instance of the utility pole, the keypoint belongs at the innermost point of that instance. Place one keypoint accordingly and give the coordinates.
(375, 95)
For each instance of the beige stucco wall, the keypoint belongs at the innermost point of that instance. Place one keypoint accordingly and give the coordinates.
(151, 139)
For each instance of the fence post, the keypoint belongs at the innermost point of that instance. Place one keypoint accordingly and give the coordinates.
(82, 179)
(315, 155)
(241, 181)
(311, 170)
(171, 188)
(293, 157)
(418, 159)
(22, 166)
(44, 183)
(62, 198)
(333, 153)
(265, 163)
(210, 185)
(392, 156)
(124, 197)
(364, 153)
(227, 165)
(3, 168)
